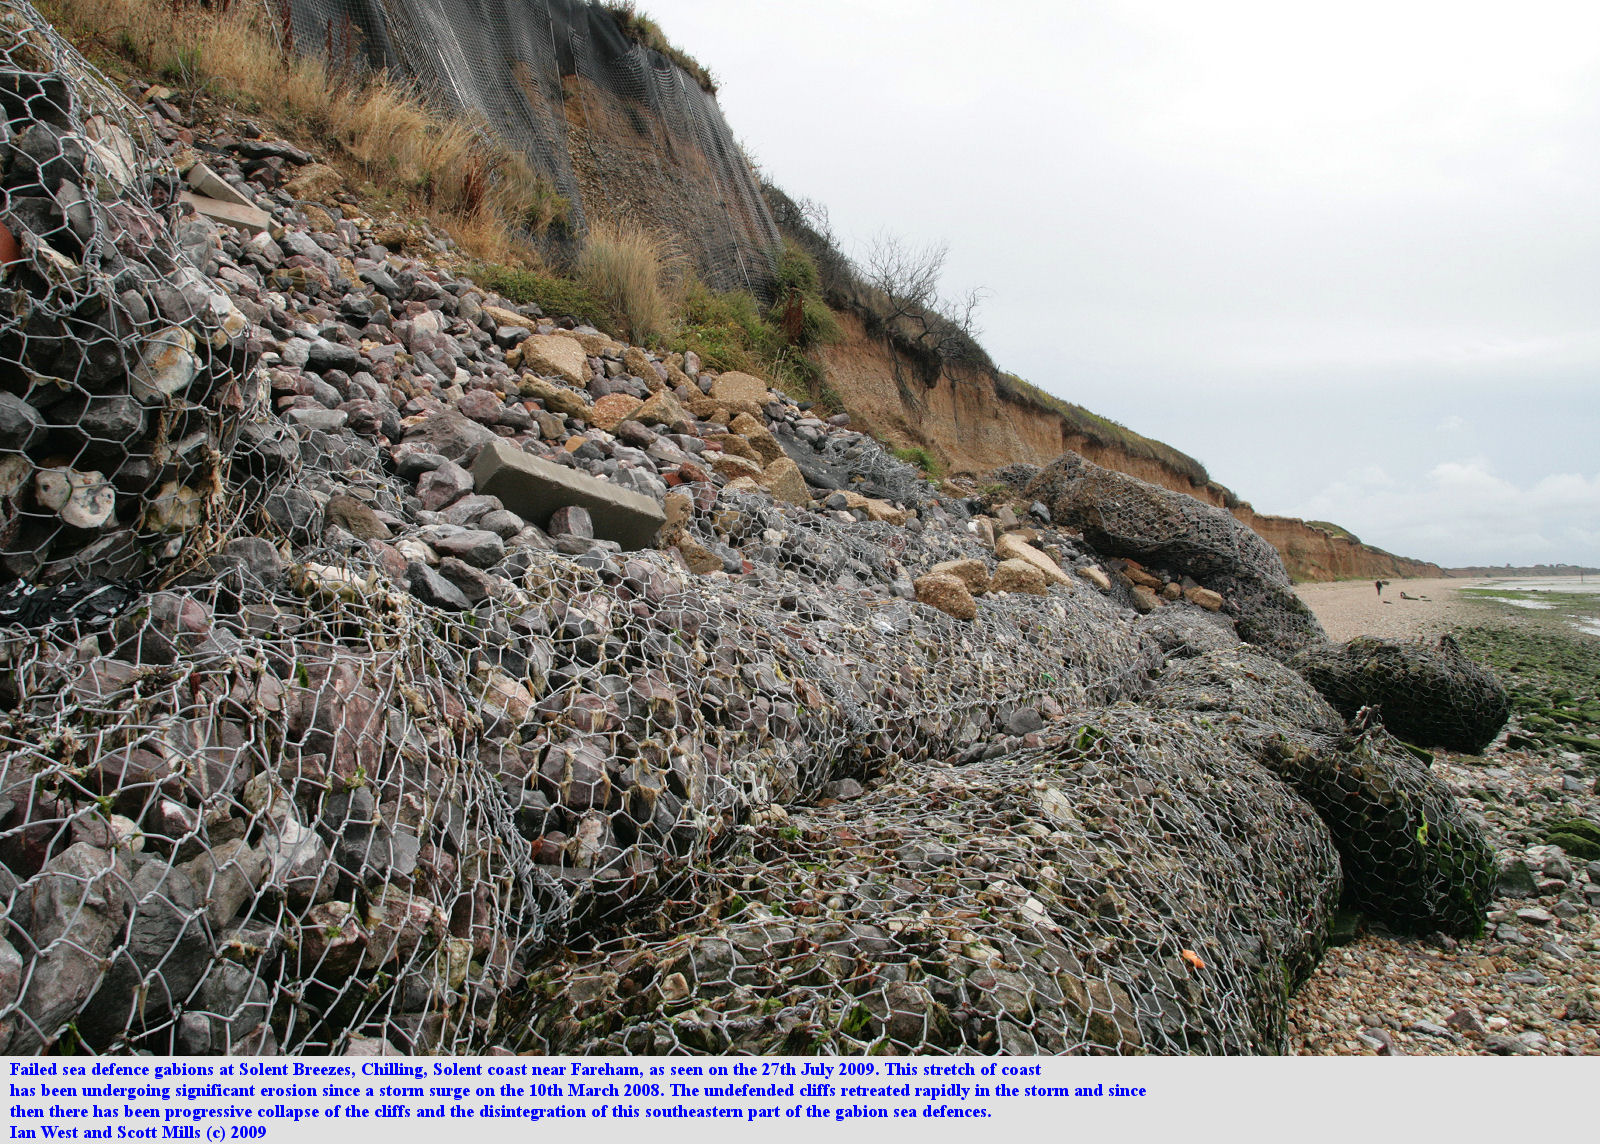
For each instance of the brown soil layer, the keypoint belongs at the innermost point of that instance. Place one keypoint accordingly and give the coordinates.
(971, 428)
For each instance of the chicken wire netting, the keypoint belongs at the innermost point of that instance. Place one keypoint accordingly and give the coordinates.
(618, 129)
(123, 369)
(265, 787)
(1426, 693)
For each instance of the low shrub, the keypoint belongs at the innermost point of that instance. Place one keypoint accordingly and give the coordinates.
(920, 457)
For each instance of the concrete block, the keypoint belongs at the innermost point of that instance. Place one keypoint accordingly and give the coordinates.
(249, 219)
(534, 489)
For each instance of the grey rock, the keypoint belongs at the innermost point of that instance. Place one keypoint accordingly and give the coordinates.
(166, 952)
(432, 588)
(571, 520)
(1024, 721)
(475, 546)
(470, 509)
(73, 913)
(229, 1006)
(443, 486)
(20, 423)
(503, 523)
(842, 789)
(325, 420)
(1516, 880)
(452, 436)
(259, 556)
(475, 585)
(325, 355)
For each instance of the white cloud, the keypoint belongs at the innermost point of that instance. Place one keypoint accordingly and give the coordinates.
(1462, 512)
(1451, 424)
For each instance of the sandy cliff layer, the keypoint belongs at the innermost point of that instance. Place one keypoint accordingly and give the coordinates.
(972, 428)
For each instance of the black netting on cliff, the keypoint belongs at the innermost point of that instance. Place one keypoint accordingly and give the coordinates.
(1124, 516)
(617, 128)
(1411, 856)
(1426, 693)
(124, 371)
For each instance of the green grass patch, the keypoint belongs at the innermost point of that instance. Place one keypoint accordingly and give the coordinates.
(924, 460)
(731, 330)
(556, 296)
(645, 32)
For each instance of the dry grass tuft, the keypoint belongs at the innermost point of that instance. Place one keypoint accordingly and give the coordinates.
(635, 273)
(448, 167)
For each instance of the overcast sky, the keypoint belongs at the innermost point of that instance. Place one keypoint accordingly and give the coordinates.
(1347, 255)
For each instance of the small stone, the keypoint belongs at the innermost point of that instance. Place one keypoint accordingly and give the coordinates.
(557, 399)
(443, 486)
(842, 790)
(475, 546)
(432, 588)
(1204, 598)
(785, 481)
(1144, 600)
(973, 573)
(665, 410)
(1010, 547)
(482, 405)
(356, 518)
(1024, 721)
(733, 467)
(166, 366)
(571, 520)
(553, 356)
(20, 423)
(612, 410)
(947, 593)
(1019, 576)
(1516, 880)
(1093, 574)
(740, 392)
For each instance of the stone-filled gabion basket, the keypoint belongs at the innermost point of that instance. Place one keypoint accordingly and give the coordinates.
(1427, 694)
(123, 369)
(311, 743)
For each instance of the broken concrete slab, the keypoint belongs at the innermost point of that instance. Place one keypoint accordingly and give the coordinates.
(251, 220)
(534, 489)
(207, 182)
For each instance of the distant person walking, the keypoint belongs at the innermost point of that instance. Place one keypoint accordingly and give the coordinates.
(1379, 585)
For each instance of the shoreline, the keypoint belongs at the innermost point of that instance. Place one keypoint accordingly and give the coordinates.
(1531, 984)
(1421, 608)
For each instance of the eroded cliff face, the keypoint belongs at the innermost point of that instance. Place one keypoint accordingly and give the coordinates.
(619, 129)
(972, 428)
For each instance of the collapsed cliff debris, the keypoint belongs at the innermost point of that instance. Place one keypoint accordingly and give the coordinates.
(351, 754)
